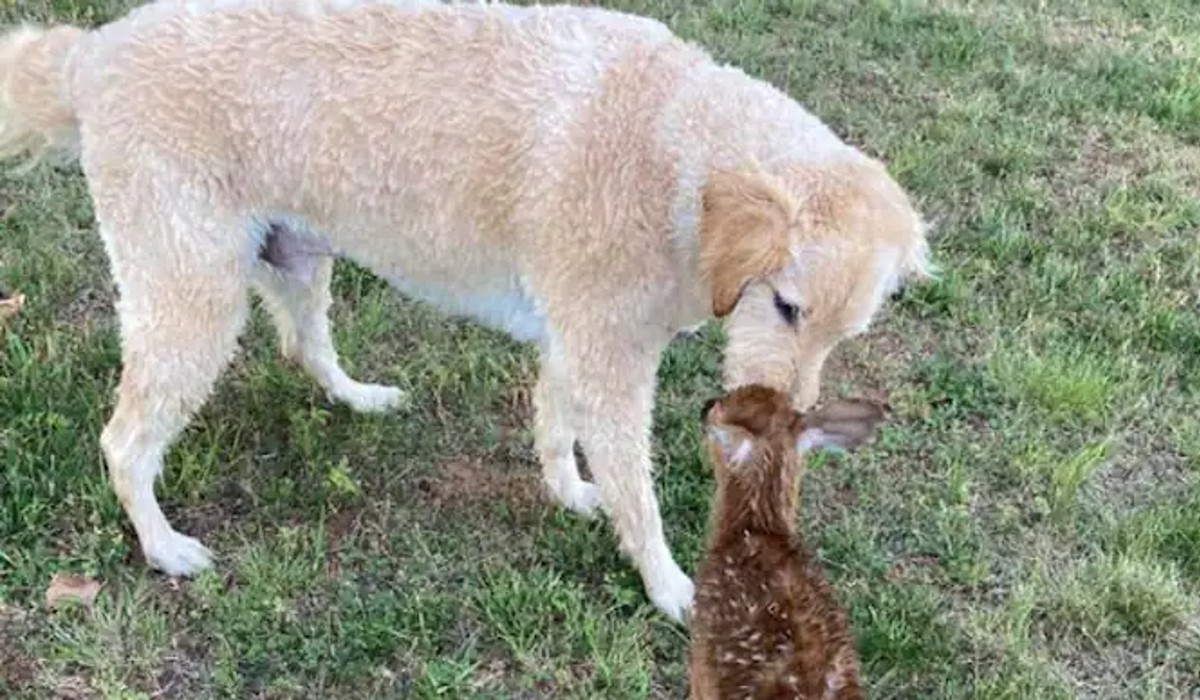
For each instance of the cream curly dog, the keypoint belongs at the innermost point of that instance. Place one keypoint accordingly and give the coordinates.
(581, 179)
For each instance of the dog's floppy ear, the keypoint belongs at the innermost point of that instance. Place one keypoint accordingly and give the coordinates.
(743, 233)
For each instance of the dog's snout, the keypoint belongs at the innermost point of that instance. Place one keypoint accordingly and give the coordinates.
(708, 406)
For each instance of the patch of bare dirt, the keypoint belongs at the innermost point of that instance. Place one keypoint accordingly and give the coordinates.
(1082, 33)
(1144, 473)
(845, 496)
(517, 413)
(182, 672)
(466, 482)
(92, 307)
(875, 362)
(72, 688)
(1107, 157)
(342, 525)
(18, 671)
(913, 568)
(230, 506)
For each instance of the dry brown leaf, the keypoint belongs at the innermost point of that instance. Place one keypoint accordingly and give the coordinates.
(10, 306)
(69, 588)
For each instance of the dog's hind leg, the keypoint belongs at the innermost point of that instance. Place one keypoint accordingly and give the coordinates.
(294, 286)
(183, 280)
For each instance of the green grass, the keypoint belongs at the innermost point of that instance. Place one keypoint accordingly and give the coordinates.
(1028, 526)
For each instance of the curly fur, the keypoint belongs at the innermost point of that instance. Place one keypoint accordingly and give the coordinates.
(539, 169)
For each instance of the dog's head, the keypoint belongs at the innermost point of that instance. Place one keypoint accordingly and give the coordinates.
(799, 260)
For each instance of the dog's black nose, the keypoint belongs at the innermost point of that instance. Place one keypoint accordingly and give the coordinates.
(707, 407)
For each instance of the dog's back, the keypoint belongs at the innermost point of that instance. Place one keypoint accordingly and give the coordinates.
(322, 107)
(436, 143)
(766, 625)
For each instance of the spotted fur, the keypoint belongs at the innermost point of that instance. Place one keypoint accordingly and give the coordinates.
(766, 625)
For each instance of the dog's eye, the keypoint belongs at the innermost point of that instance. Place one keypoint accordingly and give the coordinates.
(789, 311)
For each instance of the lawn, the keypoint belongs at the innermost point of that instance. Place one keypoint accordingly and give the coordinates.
(1027, 526)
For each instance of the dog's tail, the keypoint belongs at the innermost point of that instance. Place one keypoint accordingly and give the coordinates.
(37, 117)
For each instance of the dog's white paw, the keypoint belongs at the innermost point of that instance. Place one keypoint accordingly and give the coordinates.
(583, 498)
(370, 398)
(576, 495)
(672, 592)
(177, 554)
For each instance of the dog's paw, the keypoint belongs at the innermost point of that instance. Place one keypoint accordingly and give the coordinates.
(583, 498)
(176, 554)
(370, 398)
(578, 496)
(672, 592)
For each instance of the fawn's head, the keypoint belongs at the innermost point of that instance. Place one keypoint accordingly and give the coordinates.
(755, 441)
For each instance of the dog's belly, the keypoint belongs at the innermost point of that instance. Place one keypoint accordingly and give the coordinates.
(509, 309)
(290, 246)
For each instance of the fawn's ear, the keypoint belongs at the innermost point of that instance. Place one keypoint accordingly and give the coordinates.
(841, 425)
(734, 446)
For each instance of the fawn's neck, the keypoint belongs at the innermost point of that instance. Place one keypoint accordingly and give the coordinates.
(764, 503)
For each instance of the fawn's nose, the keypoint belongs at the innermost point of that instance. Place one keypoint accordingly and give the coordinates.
(708, 406)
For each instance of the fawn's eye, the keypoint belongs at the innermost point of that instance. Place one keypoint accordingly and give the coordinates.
(787, 310)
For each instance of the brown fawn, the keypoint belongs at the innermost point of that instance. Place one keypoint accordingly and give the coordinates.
(765, 624)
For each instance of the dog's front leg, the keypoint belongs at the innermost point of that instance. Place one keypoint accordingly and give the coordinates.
(554, 424)
(613, 394)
